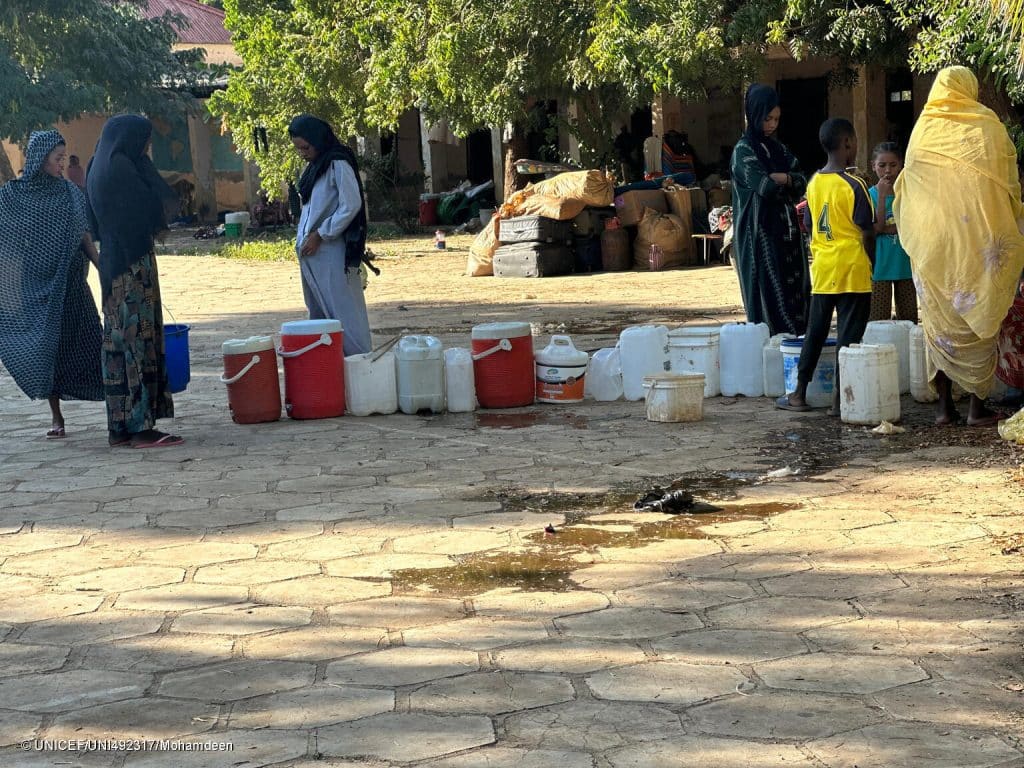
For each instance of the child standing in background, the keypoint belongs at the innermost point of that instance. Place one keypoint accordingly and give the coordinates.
(841, 219)
(891, 274)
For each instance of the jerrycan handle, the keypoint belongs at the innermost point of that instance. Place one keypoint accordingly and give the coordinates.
(562, 340)
(502, 346)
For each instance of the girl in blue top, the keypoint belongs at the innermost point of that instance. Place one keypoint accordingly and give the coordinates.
(891, 274)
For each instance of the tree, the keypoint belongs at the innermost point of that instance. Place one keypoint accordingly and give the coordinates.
(62, 58)
(362, 63)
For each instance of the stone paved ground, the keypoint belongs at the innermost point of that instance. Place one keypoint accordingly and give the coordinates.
(347, 592)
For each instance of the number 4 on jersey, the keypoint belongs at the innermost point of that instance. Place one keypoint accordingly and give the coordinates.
(823, 225)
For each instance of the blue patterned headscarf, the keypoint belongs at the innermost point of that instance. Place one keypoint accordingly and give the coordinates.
(42, 221)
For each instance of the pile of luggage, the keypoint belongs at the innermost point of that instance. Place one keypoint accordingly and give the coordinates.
(580, 222)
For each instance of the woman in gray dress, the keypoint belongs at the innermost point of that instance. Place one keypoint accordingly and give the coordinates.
(49, 328)
(331, 239)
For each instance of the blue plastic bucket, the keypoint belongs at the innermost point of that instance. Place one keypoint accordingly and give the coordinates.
(819, 389)
(176, 357)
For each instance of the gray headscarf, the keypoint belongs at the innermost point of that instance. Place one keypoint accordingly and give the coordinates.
(42, 220)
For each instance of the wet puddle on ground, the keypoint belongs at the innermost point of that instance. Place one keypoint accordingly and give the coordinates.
(583, 524)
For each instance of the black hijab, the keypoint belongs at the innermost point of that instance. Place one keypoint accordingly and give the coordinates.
(320, 136)
(760, 101)
(129, 200)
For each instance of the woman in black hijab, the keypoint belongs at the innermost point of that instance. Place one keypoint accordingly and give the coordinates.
(769, 250)
(331, 240)
(129, 201)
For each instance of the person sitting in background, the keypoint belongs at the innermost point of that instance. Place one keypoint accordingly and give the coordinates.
(677, 156)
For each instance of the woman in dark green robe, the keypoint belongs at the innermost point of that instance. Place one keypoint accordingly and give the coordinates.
(768, 248)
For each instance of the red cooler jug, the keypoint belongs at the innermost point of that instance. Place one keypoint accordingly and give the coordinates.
(314, 368)
(503, 364)
(250, 373)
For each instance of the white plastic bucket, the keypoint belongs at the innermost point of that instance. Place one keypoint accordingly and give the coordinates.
(741, 359)
(897, 333)
(643, 351)
(920, 388)
(871, 383)
(604, 376)
(675, 397)
(460, 389)
(370, 385)
(822, 385)
(774, 371)
(561, 372)
(420, 371)
(695, 349)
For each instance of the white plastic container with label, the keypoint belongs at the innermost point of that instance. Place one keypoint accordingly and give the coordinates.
(561, 372)
(871, 384)
(370, 385)
(695, 349)
(897, 333)
(742, 360)
(604, 376)
(419, 363)
(460, 388)
(643, 351)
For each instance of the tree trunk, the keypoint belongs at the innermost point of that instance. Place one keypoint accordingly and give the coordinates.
(6, 171)
(515, 149)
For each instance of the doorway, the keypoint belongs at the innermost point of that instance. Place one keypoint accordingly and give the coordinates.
(479, 157)
(899, 106)
(804, 105)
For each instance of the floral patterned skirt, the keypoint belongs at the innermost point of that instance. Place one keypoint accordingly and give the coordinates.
(134, 372)
(1010, 368)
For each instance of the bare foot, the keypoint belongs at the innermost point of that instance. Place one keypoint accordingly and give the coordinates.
(946, 413)
(980, 416)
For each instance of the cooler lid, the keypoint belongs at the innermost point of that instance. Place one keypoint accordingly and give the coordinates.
(501, 331)
(247, 346)
(310, 327)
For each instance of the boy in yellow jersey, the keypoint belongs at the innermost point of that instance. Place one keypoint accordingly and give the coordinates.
(840, 218)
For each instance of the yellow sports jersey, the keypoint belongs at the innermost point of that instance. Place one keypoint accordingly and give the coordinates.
(839, 209)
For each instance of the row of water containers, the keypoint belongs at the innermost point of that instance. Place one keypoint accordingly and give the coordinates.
(501, 370)
(743, 359)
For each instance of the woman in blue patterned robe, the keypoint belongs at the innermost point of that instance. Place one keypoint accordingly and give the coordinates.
(49, 328)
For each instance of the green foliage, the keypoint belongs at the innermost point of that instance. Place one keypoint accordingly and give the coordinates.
(261, 250)
(392, 193)
(62, 58)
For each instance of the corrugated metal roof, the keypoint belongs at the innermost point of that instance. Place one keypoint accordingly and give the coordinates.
(204, 24)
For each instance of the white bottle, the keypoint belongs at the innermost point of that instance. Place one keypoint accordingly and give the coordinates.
(643, 352)
(370, 385)
(774, 372)
(561, 371)
(870, 381)
(742, 359)
(420, 366)
(604, 376)
(460, 388)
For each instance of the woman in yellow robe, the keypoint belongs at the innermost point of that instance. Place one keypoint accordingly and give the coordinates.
(958, 209)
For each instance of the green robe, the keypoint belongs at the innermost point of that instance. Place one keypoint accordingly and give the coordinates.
(768, 248)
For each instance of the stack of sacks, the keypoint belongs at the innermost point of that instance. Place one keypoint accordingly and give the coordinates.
(660, 216)
(562, 197)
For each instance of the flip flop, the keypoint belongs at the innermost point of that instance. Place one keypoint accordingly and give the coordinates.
(166, 441)
(56, 433)
(783, 404)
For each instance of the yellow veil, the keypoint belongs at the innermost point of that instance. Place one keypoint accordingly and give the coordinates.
(959, 213)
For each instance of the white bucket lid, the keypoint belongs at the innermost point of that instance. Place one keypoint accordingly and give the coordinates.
(310, 327)
(501, 331)
(247, 346)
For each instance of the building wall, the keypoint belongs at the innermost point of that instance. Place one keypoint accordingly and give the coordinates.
(216, 53)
